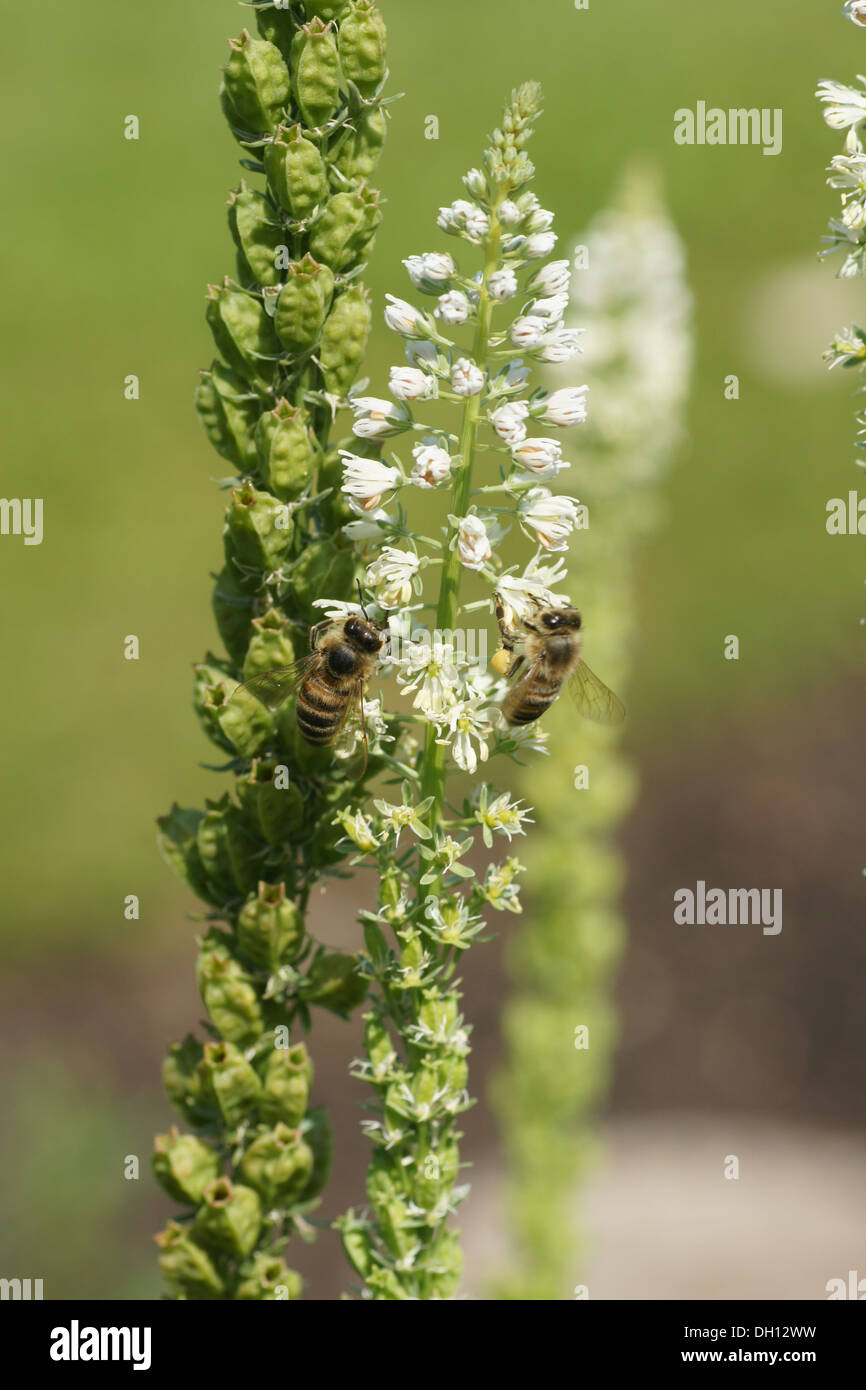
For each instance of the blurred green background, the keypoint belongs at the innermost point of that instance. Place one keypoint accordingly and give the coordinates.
(109, 247)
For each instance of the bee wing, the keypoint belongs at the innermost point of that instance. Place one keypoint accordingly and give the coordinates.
(353, 722)
(274, 686)
(593, 698)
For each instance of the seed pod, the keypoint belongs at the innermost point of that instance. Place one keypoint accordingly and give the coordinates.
(229, 1079)
(303, 304)
(228, 992)
(360, 149)
(188, 1269)
(212, 842)
(296, 172)
(256, 86)
(245, 724)
(267, 1279)
(232, 608)
(344, 339)
(177, 840)
(325, 9)
(183, 1165)
(241, 329)
(271, 644)
(270, 928)
(278, 811)
(229, 1219)
(321, 569)
(285, 447)
(435, 1174)
(345, 227)
(334, 983)
(182, 1079)
(362, 45)
(278, 1165)
(286, 1087)
(278, 26)
(258, 529)
(320, 1138)
(316, 72)
(228, 411)
(209, 691)
(256, 233)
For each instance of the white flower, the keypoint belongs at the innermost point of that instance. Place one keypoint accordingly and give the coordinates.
(522, 593)
(358, 829)
(466, 722)
(539, 220)
(845, 106)
(855, 10)
(453, 307)
(411, 384)
(551, 279)
(475, 183)
(367, 528)
(432, 465)
(403, 318)
(561, 345)
(529, 331)
(464, 218)
(473, 544)
(565, 407)
(539, 244)
(432, 674)
(509, 213)
(375, 418)
(551, 308)
(503, 815)
(433, 268)
(367, 479)
(502, 284)
(466, 378)
(391, 575)
(552, 518)
(508, 421)
(540, 456)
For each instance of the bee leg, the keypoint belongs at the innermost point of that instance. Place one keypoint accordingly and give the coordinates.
(507, 636)
(514, 667)
(316, 631)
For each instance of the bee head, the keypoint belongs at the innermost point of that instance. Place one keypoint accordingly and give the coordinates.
(561, 620)
(363, 633)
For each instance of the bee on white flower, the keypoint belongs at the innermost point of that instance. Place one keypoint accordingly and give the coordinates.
(412, 384)
(466, 378)
(403, 318)
(473, 543)
(551, 517)
(565, 407)
(561, 345)
(538, 245)
(376, 418)
(467, 722)
(541, 456)
(453, 308)
(366, 480)
(430, 271)
(551, 279)
(432, 465)
(509, 421)
(390, 576)
(529, 331)
(502, 284)
(843, 106)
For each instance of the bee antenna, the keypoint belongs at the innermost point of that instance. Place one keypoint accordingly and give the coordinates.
(361, 600)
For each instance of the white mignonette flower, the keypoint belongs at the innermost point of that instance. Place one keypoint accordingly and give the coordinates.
(521, 593)
(509, 213)
(367, 479)
(375, 418)
(431, 672)
(502, 284)
(399, 818)
(402, 317)
(529, 331)
(855, 10)
(539, 220)
(464, 218)
(503, 816)
(367, 528)
(565, 407)
(475, 183)
(411, 384)
(551, 279)
(391, 575)
(552, 518)
(473, 544)
(538, 245)
(466, 378)
(467, 722)
(358, 829)
(433, 268)
(541, 456)
(551, 308)
(854, 215)
(432, 465)
(844, 106)
(561, 345)
(508, 421)
(453, 308)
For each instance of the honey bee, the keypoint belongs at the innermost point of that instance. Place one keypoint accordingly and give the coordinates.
(330, 682)
(548, 646)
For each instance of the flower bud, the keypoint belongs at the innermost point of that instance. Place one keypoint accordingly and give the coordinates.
(285, 450)
(228, 992)
(228, 413)
(258, 528)
(227, 1076)
(360, 148)
(183, 1165)
(303, 304)
(362, 43)
(188, 1269)
(380, 1050)
(242, 330)
(296, 172)
(344, 339)
(286, 1088)
(278, 1165)
(178, 844)
(320, 1138)
(232, 609)
(344, 229)
(438, 1016)
(229, 1219)
(268, 1279)
(256, 235)
(391, 1210)
(445, 1278)
(183, 1082)
(434, 1175)
(334, 983)
(270, 927)
(316, 72)
(358, 1246)
(277, 811)
(256, 85)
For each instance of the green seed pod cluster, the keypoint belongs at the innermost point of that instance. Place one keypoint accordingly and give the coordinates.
(303, 98)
